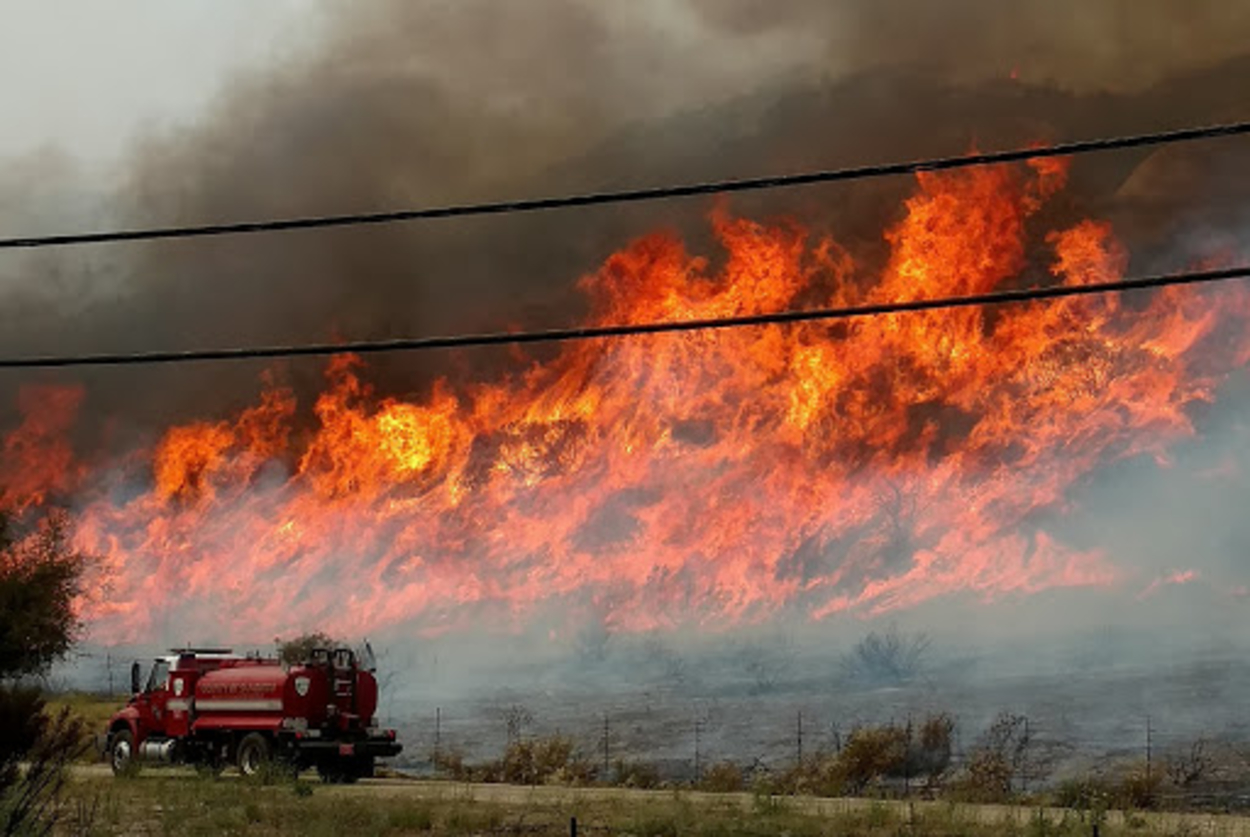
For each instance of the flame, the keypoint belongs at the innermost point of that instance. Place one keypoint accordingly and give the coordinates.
(36, 459)
(1177, 578)
(704, 478)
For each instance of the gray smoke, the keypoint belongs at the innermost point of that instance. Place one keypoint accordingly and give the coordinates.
(409, 104)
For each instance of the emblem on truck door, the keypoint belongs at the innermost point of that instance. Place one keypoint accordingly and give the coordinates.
(178, 686)
(301, 686)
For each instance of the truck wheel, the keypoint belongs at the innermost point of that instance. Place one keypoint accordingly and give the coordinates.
(254, 754)
(122, 754)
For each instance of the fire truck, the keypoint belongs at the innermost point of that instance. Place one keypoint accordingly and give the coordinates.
(211, 708)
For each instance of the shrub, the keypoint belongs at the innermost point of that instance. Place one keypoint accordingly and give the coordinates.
(1088, 793)
(870, 754)
(1187, 768)
(996, 761)
(723, 777)
(299, 649)
(636, 774)
(541, 761)
(31, 802)
(886, 658)
(449, 762)
(1140, 789)
(929, 753)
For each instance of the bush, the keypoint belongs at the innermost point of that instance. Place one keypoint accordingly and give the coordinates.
(30, 803)
(1187, 768)
(449, 762)
(298, 650)
(994, 764)
(870, 754)
(1139, 789)
(636, 775)
(887, 658)
(1088, 793)
(543, 761)
(723, 777)
(538, 761)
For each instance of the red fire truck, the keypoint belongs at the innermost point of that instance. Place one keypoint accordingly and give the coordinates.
(211, 708)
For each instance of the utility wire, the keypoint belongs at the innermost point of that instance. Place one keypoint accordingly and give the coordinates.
(633, 195)
(464, 341)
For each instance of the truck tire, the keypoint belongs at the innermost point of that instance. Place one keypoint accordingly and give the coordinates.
(254, 754)
(122, 753)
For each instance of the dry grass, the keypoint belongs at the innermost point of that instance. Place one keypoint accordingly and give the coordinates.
(93, 710)
(157, 804)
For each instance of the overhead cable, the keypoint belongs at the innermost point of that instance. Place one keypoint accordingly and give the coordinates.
(656, 193)
(599, 332)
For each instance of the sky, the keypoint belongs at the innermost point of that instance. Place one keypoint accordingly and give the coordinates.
(88, 77)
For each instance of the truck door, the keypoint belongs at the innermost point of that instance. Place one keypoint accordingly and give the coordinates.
(153, 709)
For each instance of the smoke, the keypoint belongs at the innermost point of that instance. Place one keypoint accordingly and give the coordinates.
(415, 104)
(1117, 46)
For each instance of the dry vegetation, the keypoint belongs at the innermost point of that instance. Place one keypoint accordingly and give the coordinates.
(158, 804)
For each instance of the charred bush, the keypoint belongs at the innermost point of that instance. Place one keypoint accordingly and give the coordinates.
(1191, 766)
(886, 658)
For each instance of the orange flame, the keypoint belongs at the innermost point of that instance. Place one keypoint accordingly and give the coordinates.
(36, 460)
(699, 478)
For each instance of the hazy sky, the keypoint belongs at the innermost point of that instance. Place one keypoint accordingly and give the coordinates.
(89, 76)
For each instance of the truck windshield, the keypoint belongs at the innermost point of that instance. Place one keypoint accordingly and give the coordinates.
(159, 675)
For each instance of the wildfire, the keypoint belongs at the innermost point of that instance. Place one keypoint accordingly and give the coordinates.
(707, 477)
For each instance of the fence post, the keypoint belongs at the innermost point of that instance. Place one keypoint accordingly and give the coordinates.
(800, 738)
(607, 768)
(1024, 759)
(697, 724)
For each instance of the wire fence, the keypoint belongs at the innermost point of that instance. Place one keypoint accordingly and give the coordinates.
(924, 756)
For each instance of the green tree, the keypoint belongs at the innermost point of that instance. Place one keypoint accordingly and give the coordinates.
(298, 649)
(40, 578)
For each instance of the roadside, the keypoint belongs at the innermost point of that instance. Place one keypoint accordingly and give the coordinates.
(401, 806)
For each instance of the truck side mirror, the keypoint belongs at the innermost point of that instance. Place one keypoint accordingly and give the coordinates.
(135, 676)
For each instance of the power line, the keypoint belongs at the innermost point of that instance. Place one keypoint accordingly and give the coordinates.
(631, 195)
(464, 341)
